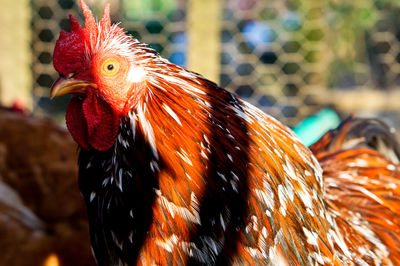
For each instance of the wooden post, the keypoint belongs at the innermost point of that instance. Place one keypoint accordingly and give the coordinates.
(15, 53)
(204, 26)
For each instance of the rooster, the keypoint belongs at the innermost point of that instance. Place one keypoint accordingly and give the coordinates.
(176, 170)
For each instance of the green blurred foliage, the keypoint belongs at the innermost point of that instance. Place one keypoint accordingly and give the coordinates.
(345, 24)
(145, 9)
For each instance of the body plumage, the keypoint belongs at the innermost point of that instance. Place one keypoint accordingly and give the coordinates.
(175, 169)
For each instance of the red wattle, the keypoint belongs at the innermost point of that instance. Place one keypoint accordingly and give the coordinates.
(76, 123)
(102, 122)
(92, 122)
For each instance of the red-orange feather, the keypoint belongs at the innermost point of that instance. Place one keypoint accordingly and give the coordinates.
(363, 187)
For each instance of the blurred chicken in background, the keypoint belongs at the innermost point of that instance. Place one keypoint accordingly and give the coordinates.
(42, 215)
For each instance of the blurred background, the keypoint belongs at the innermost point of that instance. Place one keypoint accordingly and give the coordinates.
(295, 59)
(290, 58)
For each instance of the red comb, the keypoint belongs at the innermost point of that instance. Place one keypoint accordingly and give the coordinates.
(70, 46)
(75, 27)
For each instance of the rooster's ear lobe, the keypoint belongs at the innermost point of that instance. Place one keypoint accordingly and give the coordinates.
(90, 23)
(105, 22)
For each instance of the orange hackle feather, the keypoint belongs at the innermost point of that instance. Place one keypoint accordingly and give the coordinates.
(196, 175)
(105, 21)
(90, 22)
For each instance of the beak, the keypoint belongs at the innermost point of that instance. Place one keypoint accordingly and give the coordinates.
(64, 86)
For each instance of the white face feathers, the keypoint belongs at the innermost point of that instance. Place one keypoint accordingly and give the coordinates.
(136, 74)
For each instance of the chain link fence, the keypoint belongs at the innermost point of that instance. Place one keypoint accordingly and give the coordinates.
(290, 58)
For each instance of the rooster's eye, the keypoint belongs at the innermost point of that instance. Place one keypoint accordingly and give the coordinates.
(110, 67)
